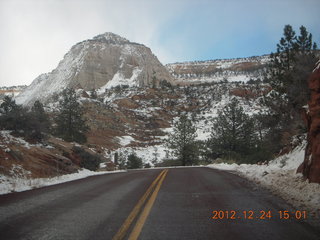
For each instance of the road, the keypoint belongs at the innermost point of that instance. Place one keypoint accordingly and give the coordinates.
(150, 204)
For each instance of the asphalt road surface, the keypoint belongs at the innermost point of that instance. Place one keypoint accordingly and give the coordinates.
(179, 203)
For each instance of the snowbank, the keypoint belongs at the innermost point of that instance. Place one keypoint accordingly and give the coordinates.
(280, 177)
(21, 180)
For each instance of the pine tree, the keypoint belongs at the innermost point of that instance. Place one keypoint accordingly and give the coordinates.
(292, 52)
(286, 47)
(134, 161)
(13, 117)
(183, 141)
(288, 76)
(39, 122)
(314, 46)
(71, 125)
(116, 158)
(39, 113)
(233, 134)
(29, 124)
(8, 105)
(304, 41)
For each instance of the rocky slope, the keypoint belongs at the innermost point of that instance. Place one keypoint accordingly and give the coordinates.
(126, 120)
(103, 62)
(232, 70)
(39, 160)
(311, 165)
(136, 119)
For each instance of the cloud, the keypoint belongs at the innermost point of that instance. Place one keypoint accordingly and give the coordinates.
(35, 34)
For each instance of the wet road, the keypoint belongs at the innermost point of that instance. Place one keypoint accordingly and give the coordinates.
(161, 204)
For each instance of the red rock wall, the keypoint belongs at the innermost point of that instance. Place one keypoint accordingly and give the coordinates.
(311, 165)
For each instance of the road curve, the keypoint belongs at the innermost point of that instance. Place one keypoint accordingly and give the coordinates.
(176, 203)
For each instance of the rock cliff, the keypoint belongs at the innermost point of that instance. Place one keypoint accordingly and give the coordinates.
(311, 165)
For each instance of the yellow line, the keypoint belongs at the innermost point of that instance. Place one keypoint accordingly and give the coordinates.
(145, 213)
(125, 226)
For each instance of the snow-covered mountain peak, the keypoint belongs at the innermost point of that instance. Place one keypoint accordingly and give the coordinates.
(102, 62)
(111, 38)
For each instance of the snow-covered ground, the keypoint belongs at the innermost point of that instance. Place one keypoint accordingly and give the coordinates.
(21, 181)
(8, 138)
(149, 155)
(219, 70)
(280, 177)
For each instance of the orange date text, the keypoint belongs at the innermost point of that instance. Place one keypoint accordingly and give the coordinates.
(260, 214)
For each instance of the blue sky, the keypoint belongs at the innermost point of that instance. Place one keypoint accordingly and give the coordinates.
(35, 34)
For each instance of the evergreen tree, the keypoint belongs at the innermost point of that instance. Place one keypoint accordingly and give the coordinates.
(71, 125)
(293, 52)
(183, 141)
(315, 46)
(233, 134)
(88, 160)
(40, 115)
(29, 124)
(8, 105)
(286, 47)
(147, 165)
(288, 75)
(304, 41)
(13, 117)
(134, 161)
(38, 110)
(39, 122)
(116, 158)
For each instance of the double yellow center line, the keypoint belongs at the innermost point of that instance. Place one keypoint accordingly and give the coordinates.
(153, 191)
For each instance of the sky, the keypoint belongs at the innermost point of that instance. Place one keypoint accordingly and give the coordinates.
(35, 34)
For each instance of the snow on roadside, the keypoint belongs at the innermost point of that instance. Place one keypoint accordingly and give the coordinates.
(21, 181)
(280, 177)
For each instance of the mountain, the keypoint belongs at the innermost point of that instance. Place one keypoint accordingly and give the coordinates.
(231, 70)
(108, 60)
(103, 62)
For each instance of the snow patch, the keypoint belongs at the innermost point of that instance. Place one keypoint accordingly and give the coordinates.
(147, 154)
(119, 79)
(280, 177)
(20, 179)
(125, 140)
(9, 139)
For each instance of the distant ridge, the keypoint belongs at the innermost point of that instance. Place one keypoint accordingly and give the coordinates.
(232, 70)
